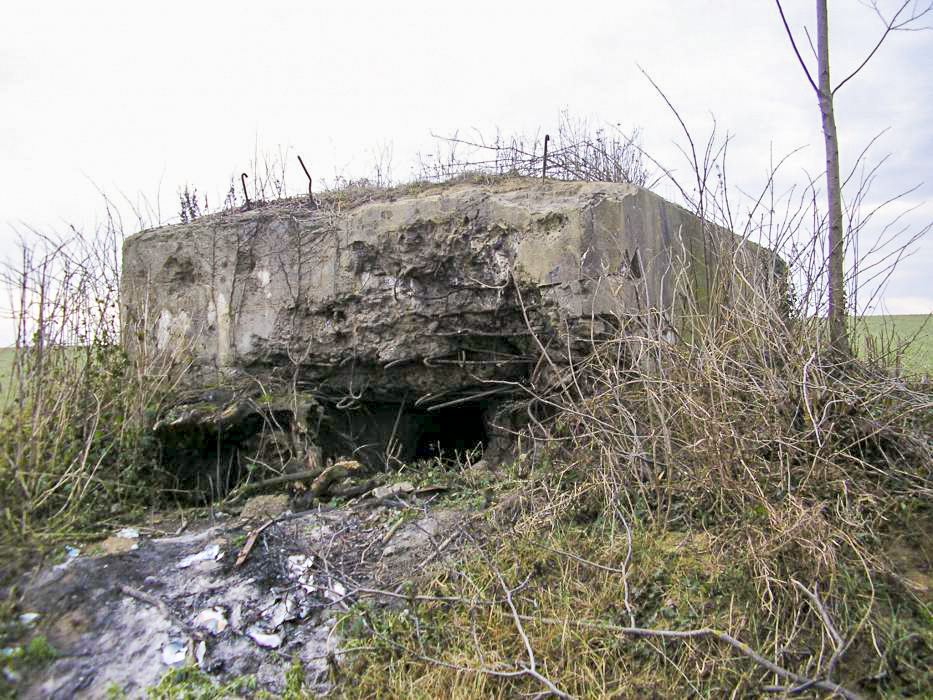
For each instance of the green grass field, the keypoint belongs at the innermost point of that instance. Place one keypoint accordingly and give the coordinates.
(889, 332)
(6, 367)
(909, 336)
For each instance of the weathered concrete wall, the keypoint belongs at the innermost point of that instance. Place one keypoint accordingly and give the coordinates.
(411, 297)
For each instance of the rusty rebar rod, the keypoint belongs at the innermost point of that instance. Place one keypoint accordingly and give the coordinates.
(243, 177)
(310, 194)
(547, 137)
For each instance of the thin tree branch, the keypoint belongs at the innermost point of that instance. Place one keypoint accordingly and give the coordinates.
(890, 26)
(790, 35)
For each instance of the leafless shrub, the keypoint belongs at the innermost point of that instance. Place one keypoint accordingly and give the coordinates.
(188, 207)
(74, 438)
(577, 152)
(794, 461)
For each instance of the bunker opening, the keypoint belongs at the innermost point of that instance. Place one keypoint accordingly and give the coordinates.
(451, 432)
(383, 435)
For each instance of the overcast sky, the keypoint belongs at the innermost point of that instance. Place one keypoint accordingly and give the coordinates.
(140, 98)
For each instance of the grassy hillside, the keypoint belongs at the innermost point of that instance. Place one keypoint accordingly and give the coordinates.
(6, 368)
(910, 337)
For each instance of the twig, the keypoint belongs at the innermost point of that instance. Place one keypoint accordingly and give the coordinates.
(438, 550)
(392, 530)
(790, 35)
(531, 669)
(581, 559)
(824, 616)
(354, 490)
(544, 352)
(632, 631)
(150, 599)
(278, 480)
(739, 646)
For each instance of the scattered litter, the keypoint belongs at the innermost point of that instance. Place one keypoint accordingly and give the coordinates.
(401, 487)
(299, 570)
(28, 618)
(281, 611)
(7, 652)
(282, 599)
(270, 641)
(128, 533)
(298, 564)
(336, 590)
(211, 619)
(200, 652)
(209, 553)
(71, 553)
(174, 653)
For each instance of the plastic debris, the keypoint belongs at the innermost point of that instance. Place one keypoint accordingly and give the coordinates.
(270, 641)
(212, 619)
(299, 569)
(338, 588)
(28, 618)
(298, 564)
(128, 533)
(200, 653)
(174, 653)
(209, 553)
(282, 611)
(71, 553)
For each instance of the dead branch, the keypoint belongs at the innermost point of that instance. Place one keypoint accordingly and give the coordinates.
(531, 668)
(739, 646)
(250, 541)
(277, 481)
(157, 602)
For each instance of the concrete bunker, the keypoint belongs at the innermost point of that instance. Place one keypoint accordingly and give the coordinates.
(406, 325)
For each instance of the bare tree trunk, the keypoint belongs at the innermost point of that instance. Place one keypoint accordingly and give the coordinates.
(838, 333)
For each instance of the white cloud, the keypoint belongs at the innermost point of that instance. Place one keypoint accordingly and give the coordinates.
(901, 306)
(146, 97)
